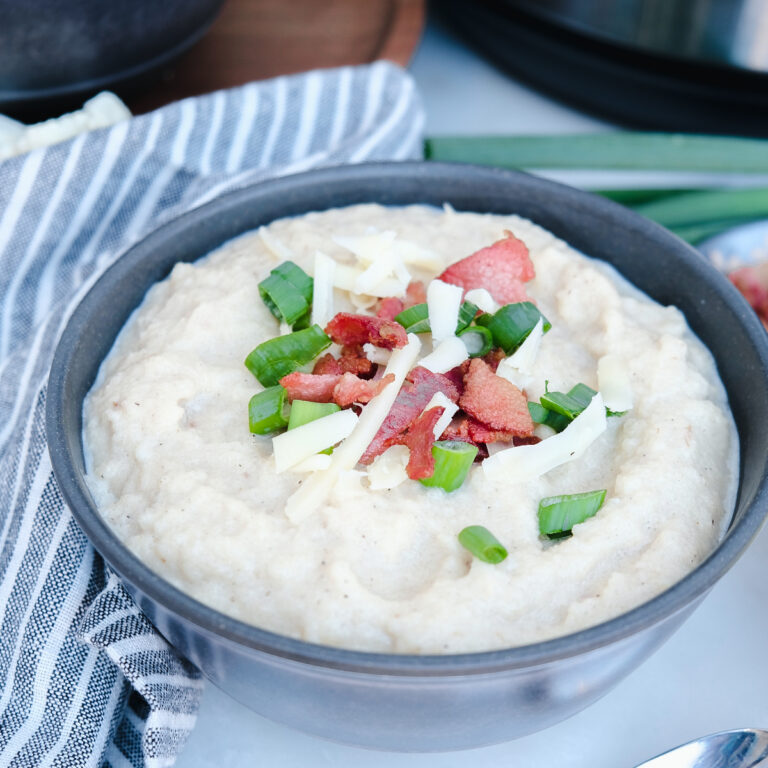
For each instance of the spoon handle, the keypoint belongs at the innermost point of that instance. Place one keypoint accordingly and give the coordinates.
(745, 748)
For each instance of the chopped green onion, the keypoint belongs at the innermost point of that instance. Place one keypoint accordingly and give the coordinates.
(570, 404)
(562, 403)
(266, 411)
(582, 394)
(541, 415)
(478, 340)
(278, 357)
(467, 312)
(287, 292)
(453, 458)
(482, 544)
(415, 319)
(304, 411)
(511, 324)
(558, 514)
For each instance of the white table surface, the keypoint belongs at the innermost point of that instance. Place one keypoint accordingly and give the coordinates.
(712, 674)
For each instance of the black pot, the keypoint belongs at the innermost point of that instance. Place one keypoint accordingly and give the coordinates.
(58, 50)
(405, 701)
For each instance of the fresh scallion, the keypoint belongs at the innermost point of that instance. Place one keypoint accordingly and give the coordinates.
(278, 357)
(558, 514)
(478, 340)
(541, 415)
(604, 151)
(453, 458)
(511, 324)
(482, 544)
(266, 411)
(304, 411)
(415, 319)
(287, 292)
(570, 404)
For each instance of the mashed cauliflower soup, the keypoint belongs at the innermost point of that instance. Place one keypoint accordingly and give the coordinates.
(181, 480)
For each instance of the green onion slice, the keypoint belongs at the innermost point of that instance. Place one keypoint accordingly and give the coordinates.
(287, 292)
(554, 420)
(558, 514)
(453, 458)
(511, 324)
(415, 319)
(278, 357)
(304, 411)
(482, 544)
(266, 411)
(572, 403)
(478, 340)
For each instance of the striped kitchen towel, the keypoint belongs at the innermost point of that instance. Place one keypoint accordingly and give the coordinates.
(84, 678)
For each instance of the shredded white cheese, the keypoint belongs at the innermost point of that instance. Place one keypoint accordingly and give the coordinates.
(275, 245)
(313, 463)
(526, 462)
(482, 299)
(447, 355)
(322, 289)
(439, 400)
(443, 302)
(314, 490)
(376, 354)
(614, 384)
(296, 445)
(388, 470)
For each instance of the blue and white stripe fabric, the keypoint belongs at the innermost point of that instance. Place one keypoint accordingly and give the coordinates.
(84, 678)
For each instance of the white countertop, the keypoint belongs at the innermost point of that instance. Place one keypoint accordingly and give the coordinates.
(712, 675)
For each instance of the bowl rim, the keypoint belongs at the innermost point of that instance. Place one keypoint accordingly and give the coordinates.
(675, 599)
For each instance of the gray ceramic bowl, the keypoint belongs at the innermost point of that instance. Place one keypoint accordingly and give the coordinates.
(400, 701)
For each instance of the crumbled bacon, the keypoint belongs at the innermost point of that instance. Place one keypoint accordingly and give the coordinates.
(469, 429)
(419, 439)
(318, 388)
(328, 364)
(415, 294)
(414, 396)
(532, 440)
(501, 269)
(456, 376)
(353, 360)
(351, 389)
(342, 389)
(494, 357)
(347, 329)
(495, 402)
(389, 308)
(752, 283)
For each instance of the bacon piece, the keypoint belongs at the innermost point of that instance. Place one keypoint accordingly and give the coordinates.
(456, 376)
(494, 401)
(353, 360)
(532, 440)
(752, 283)
(413, 397)
(389, 308)
(494, 357)
(501, 269)
(415, 294)
(347, 329)
(419, 439)
(342, 389)
(327, 364)
(318, 388)
(351, 389)
(471, 430)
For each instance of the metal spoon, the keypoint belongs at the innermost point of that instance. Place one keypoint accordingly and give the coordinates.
(743, 748)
